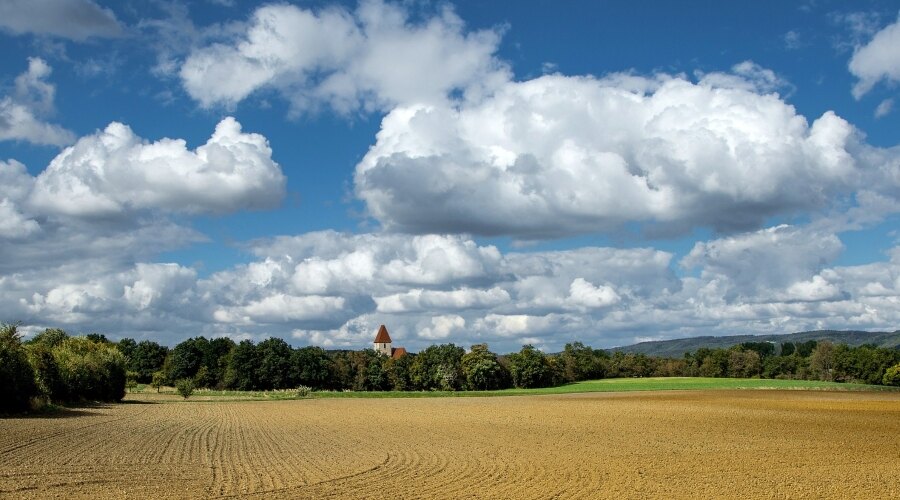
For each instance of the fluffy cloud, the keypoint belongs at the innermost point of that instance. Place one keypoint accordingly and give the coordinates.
(114, 171)
(73, 19)
(563, 155)
(31, 99)
(877, 60)
(372, 58)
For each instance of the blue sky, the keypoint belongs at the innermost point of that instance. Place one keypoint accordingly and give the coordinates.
(475, 171)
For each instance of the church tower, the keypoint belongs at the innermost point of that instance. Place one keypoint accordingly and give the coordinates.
(383, 341)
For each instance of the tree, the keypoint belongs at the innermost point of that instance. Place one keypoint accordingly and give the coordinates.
(438, 367)
(158, 380)
(580, 362)
(311, 367)
(50, 337)
(482, 370)
(892, 375)
(241, 371)
(186, 359)
(184, 387)
(17, 385)
(146, 358)
(274, 369)
(530, 368)
(821, 361)
(90, 370)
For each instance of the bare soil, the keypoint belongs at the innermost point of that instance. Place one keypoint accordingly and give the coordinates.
(699, 444)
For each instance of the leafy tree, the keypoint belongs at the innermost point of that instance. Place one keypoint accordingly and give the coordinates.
(398, 372)
(158, 380)
(763, 349)
(186, 359)
(146, 358)
(787, 348)
(126, 347)
(744, 363)
(438, 367)
(805, 349)
(184, 387)
(51, 337)
(580, 362)
(241, 370)
(892, 375)
(482, 370)
(17, 385)
(715, 364)
(311, 367)
(530, 368)
(821, 361)
(98, 338)
(90, 370)
(274, 369)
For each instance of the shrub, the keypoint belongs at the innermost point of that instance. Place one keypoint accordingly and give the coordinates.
(184, 387)
(304, 391)
(892, 375)
(90, 370)
(17, 385)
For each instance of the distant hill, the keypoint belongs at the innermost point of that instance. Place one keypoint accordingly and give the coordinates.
(677, 347)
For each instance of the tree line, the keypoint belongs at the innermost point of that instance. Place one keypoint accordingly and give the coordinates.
(56, 367)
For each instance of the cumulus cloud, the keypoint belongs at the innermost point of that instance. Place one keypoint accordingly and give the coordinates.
(73, 19)
(21, 112)
(563, 155)
(877, 60)
(750, 264)
(114, 171)
(374, 57)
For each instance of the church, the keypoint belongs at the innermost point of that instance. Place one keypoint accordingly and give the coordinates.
(383, 345)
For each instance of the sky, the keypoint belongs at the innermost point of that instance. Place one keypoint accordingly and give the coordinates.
(535, 172)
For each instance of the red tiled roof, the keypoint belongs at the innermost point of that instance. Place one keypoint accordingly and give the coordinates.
(382, 337)
(398, 352)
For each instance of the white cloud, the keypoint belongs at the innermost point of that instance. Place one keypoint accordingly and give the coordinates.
(32, 99)
(372, 58)
(751, 264)
(563, 155)
(417, 300)
(884, 108)
(114, 171)
(442, 327)
(878, 60)
(73, 19)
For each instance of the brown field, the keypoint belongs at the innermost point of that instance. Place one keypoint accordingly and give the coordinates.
(700, 444)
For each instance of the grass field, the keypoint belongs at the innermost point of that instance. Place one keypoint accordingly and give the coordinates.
(605, 385)
(647, 444)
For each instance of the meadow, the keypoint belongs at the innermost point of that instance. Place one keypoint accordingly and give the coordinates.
(631, 441)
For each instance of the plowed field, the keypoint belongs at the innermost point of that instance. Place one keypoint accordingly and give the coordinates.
(701, 444)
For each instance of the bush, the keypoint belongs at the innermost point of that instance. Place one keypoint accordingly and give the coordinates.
(184, 387)
(304, 391)
(892, 375)
(17, 385)
(90, 370)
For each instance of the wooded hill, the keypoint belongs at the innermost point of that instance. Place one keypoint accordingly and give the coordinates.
(677, 347)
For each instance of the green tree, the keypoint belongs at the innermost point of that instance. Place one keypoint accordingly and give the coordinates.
(146, 358)
(50, 337)
(90, 370)
(17, 385)
(184, 387)
(158, 380)
(274, 369)
(581, 362)
(438, 367)
(241, 370)
(482, 370)
(821, 361)
(311, 367)
(892, 375)
(530, 368)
